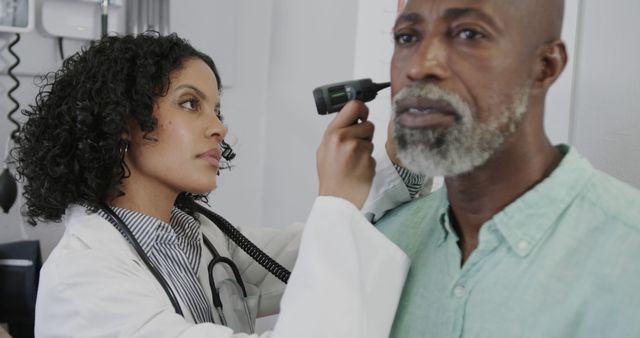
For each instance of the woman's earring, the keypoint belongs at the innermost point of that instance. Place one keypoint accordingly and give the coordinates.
(124, 147)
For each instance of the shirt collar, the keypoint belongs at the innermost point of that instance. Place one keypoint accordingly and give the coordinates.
(526, 220)
(185, 226)
(443, 216)
(149, 230)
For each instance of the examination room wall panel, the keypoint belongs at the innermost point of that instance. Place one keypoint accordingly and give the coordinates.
(243, 103)
(606, 126)
(312, 45)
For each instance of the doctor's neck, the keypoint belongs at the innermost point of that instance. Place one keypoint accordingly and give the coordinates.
(151, 202)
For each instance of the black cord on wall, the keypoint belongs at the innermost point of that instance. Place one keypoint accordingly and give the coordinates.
(14, 133)
(60, 48)
(8, 185)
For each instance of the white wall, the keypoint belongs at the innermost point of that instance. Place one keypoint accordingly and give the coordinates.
(606, 126)
(312, 44)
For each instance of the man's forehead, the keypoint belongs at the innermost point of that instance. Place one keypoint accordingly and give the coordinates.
(540, 20)
(438, 8)
(421, 11)
(547, 14)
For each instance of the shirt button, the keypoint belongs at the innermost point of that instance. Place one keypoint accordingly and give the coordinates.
(459, 291)
(523, 245)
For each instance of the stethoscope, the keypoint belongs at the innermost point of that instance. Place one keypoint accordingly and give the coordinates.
(185, 202)
(215, 295)
(217, 259)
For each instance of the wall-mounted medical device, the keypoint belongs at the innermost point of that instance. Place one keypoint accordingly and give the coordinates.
(16, 15)
(144, 15)
(81, 19)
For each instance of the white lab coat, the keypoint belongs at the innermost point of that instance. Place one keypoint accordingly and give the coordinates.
(387, 189)
(346, 283)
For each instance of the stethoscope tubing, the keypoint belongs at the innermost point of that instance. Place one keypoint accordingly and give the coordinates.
(217, 302)
(124, 229)
(217, 258)
(245, 244)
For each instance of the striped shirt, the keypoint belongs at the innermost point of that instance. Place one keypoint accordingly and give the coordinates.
(413, 181)
(175, 250)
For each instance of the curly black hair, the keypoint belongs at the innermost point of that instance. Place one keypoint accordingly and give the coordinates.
(70, 149)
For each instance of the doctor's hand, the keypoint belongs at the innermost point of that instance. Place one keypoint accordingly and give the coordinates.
(344, 162)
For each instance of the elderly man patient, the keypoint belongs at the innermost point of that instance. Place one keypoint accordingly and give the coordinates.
(526, 239)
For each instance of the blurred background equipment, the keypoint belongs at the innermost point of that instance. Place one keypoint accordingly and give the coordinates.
(8, 185)
(16, 15)
(20, 264)
(143, 15)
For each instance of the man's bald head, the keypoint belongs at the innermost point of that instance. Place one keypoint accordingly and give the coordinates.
(542, 19)
(468, 75)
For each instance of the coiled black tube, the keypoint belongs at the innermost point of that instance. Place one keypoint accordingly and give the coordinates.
(237, 237)
(14, 134)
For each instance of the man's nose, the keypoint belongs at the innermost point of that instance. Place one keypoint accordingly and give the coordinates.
(430, 62)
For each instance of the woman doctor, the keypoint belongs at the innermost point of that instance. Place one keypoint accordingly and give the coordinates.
(132, 124)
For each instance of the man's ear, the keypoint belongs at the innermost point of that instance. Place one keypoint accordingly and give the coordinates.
(551, 59)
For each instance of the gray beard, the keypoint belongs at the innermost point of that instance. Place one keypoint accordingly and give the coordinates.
(461, 148)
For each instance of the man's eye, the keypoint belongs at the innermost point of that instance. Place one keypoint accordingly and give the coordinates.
(469, 34)
(404, 38)
(191, 104)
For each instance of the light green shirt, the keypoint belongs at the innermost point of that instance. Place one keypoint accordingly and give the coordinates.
(561, 261)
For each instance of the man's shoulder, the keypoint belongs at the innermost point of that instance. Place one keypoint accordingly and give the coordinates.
(416, 216)
(431, 203)
(414, 224)
(618, 200)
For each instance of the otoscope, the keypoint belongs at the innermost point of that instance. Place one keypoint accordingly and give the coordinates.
(331, 98)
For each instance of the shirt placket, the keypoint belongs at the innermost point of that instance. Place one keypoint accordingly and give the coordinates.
(467, 276)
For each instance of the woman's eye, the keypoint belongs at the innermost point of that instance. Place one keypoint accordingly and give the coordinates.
(469, 34)
(404, 38)
(191, 104)
(219, 115)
